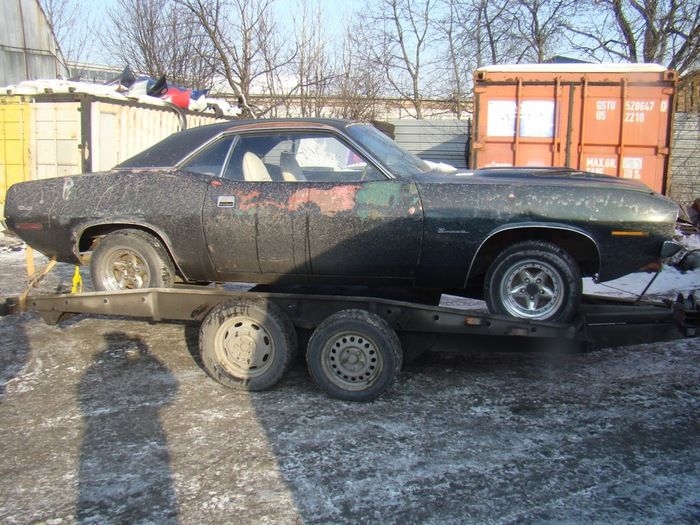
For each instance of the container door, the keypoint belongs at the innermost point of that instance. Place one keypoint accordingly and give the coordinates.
(14, 143)
(624, 131)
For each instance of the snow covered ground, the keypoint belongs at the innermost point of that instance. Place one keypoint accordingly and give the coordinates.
(111, 420)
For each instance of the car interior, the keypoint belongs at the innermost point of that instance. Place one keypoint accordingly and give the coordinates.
(282, 157)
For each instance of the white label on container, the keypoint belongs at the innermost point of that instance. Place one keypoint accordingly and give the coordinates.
(537, 118)
(500, 119)
(602, 107)
(632, 167)
(601, 164)
(636, 111)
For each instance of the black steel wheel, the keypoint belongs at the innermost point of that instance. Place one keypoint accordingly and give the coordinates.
(354, 355)
(534, 280)
(130, 259)
(247, 344)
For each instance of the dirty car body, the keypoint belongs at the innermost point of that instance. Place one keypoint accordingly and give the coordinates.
(312, 202)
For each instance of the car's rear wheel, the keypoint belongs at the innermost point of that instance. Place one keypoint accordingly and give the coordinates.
(130, 259)
(534, 280)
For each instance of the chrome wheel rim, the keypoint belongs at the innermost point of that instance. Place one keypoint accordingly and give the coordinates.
(127, 270)
(352, 360)
(244, 347)
(532, 290)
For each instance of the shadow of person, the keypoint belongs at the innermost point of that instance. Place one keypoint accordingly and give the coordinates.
(125, 472)
(16, 349)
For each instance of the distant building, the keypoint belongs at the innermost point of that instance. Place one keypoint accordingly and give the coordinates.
(559, 59)
(93, 72)
(28, 47)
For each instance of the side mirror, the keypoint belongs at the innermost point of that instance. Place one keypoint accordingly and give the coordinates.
(670, 249)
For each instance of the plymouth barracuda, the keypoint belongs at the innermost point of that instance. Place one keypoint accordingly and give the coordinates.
(324, 202)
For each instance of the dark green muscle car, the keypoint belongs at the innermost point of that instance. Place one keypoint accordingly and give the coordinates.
(324, 202)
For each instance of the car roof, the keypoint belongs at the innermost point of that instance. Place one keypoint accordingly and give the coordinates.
(171, 150)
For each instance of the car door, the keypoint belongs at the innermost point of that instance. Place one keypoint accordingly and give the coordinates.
(295, 203)
(228, 221)
(359, 223)
(251, 231)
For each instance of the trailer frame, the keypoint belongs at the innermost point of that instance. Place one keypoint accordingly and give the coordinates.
(420, 327)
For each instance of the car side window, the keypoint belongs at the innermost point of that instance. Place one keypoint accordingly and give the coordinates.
(211, 160)
(297, 157)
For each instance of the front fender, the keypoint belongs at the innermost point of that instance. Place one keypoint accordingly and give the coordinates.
(582, 245)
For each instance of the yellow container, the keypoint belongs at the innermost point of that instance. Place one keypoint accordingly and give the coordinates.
(15, 119)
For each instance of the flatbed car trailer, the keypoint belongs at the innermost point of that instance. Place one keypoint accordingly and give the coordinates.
(249, 339)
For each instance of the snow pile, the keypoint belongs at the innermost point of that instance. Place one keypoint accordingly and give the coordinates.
(669, 283)
(144, 91)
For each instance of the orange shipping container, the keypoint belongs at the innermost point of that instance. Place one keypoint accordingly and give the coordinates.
(605, 118)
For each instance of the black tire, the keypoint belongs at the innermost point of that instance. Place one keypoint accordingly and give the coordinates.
(130, 259)
(354, 355)
(247, 344)
(534, 280)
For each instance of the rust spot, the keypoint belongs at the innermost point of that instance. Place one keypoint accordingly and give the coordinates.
(334, 200)
(247, 201)
(329, 201)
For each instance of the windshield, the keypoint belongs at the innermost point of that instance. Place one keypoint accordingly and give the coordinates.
(396, 159)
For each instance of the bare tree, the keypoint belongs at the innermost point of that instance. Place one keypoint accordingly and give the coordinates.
(246, 46)
(401, 32)
(358, 84)
(481, 32)
(160, 37)
(666, 32)
(537, 26)
(313, 69)
(458, 42)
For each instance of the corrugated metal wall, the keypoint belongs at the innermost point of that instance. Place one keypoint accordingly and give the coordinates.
(28, 48)
(446, 140)
(685, 158)
(44, 136)
(435, 140)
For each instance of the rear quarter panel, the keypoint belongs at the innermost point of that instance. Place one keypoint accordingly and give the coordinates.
(169, 203)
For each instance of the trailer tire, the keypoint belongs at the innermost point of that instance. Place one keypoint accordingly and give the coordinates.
(247, 344)
(130, 259)
(534, 280)
(354, 355)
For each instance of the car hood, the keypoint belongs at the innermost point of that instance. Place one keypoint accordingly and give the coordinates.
(535, 176)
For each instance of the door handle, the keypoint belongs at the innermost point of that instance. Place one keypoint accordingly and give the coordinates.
(226, 201)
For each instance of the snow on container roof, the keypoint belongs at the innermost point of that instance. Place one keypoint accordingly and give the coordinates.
(574, 68)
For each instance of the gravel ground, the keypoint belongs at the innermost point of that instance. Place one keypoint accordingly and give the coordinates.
(113, 421)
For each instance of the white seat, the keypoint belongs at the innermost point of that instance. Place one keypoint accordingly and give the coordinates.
(254, 169)
(291, 171)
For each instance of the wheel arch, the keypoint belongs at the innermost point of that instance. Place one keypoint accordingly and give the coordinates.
(582, 247)
(91, 234)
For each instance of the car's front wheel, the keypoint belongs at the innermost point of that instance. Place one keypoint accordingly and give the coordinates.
(534, 280)
(130, 259)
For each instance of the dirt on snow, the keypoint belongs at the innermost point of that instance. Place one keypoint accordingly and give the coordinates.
(108, 420)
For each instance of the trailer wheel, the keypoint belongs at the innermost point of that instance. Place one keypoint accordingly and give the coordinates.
(534, 280)
(130, 259)
(354, 355)
(247, 344)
